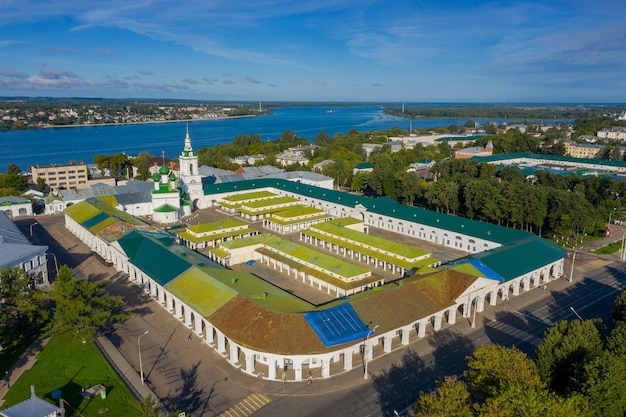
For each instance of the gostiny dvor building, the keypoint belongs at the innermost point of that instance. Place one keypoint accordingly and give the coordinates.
(264, 330)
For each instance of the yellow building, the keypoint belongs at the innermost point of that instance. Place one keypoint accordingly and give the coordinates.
(71, 176)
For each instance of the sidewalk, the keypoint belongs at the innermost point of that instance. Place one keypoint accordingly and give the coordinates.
(124, 370)
(24, 363)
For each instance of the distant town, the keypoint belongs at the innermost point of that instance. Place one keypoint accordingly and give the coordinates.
(27, 114)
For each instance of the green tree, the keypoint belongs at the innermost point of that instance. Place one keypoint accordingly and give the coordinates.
(451, 398)
(143, 169)
(149, 407)
(443, 195)
(519, 400)
(616, 342)
(604, 384)
(13, 169)
(21, 309)
(564, 352)
(494, 367)
(102, 163)
(83, 306)
(619, 309)
(41, 184)
(322, 138)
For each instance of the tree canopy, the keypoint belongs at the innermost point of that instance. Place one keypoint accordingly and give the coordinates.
(82, 305)
(21, 309)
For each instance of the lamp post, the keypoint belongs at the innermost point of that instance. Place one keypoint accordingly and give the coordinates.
(31, 228)
(139, 349)
(571, 273)
(369, 332)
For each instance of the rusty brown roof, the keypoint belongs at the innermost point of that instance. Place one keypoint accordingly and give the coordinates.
(252, 325)
(417, 298)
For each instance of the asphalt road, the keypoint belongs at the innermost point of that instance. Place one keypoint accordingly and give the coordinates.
(192, 377)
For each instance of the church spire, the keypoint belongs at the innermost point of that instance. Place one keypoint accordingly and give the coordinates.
(188, 141)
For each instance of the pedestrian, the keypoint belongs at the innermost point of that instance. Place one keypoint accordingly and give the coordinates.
(310, 379)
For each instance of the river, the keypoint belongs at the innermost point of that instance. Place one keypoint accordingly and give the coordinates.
(62, 145)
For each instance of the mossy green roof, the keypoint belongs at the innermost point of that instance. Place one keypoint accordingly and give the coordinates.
(270, 202)
(95, 214)
(195, 239)
(377, 242)
(346, 221)
(213, 226)
(201, 291)
(298, 211)
(250, 196)
(208, 289)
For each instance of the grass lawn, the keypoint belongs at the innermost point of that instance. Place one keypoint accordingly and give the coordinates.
(68, 365)
(610, 248)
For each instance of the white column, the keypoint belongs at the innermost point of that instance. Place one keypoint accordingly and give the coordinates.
(406, 335)
(221, 343)
(232, 357)
(437, 324)
(271, 369)
(387, 344)
(421, 328)
(249, 362)
(347, 361)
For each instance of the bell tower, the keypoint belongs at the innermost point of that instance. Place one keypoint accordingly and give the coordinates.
(189, 175)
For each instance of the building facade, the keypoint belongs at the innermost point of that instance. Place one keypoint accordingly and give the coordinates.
(71, 176)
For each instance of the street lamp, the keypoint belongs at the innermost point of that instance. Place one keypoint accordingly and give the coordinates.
(577, 315)
(369, 332)
(139, 349)
(608, 225)
(31, 228)
(571, 274)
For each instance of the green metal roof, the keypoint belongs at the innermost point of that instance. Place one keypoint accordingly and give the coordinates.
(508, 156)
(166, 208)
(154, 257)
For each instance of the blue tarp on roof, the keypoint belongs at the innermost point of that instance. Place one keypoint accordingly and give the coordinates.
(489, 273)
(337, 325)
(484, 269)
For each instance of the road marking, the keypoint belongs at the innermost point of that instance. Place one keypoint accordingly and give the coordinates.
(513, 331)
(247, 406)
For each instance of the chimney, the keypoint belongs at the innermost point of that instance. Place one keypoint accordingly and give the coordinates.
(32, 391)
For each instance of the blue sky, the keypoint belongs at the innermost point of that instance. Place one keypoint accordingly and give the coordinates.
(338, 50)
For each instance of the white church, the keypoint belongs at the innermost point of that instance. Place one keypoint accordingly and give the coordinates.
(172, 196)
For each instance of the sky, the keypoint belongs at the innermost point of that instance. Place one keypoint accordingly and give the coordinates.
(536, 51)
